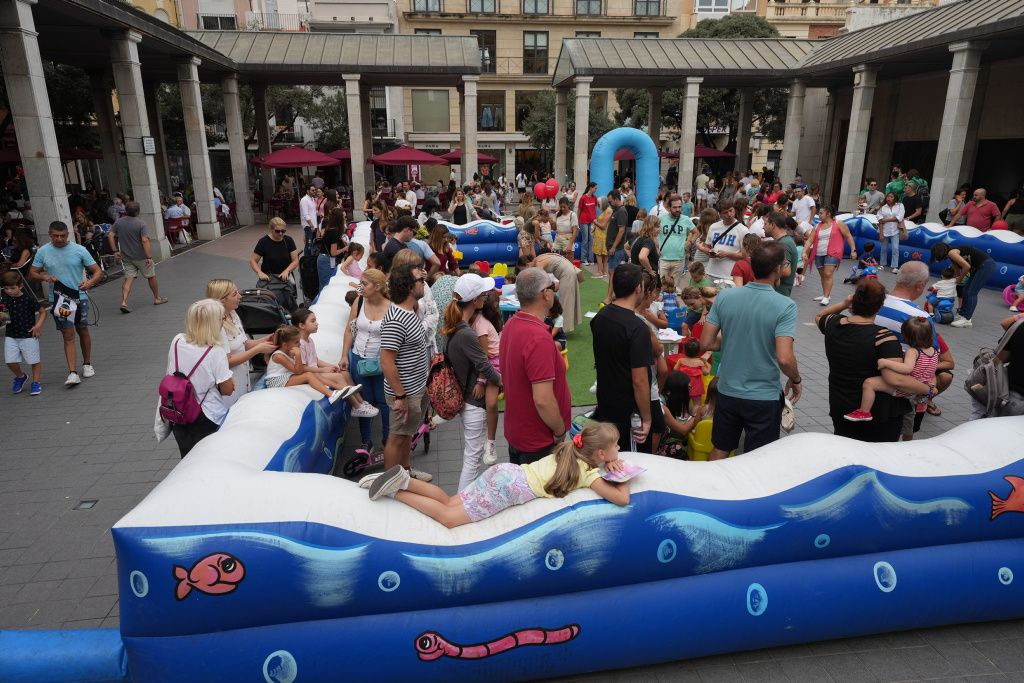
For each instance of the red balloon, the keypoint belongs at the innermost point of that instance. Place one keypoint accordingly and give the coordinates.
(553, 188)
(1000, 225)
(540, 191)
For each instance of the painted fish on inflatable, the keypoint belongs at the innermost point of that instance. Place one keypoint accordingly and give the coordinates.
(1005, 246)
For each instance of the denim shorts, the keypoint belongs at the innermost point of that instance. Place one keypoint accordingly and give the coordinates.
(822, 261)
(616, 259)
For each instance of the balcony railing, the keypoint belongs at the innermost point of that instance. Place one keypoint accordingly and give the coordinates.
(800, 11)
(272, 21)
(383, 128)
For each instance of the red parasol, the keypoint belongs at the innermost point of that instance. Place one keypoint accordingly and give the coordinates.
(297, 157)
(342, 154)
(455, 157)
(407, 156)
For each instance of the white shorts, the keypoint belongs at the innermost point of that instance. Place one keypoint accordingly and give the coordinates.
(21, 350)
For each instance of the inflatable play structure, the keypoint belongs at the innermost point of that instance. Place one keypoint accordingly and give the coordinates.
(1005, 246)
(648, 172)
(477, 241)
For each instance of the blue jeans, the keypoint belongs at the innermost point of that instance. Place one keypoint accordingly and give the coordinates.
(373, 393)
(979, 279)
(587, 242)
(324, 270)
(890, 246)
(616, 259)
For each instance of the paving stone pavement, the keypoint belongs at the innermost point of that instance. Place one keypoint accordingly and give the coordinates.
(95, 442)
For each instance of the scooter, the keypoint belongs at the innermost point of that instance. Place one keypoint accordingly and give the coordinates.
(364, 460)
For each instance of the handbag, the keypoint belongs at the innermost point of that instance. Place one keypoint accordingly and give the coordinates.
(368, 367)
(65, 303)
(989, 382)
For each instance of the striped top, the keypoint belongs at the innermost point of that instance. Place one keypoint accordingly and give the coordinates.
(896, 311)
(402, 332)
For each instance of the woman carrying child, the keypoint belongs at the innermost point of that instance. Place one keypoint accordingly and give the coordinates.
(573, 465)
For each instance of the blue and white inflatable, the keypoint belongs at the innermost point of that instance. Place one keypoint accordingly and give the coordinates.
(1005, 246)
(648, 164)
(478, 240)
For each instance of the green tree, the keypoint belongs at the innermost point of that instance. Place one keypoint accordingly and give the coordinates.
(71, 103)
(328, 116)
(717, 107)
(539, 126)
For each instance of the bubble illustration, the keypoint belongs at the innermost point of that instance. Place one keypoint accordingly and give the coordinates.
(666, 550)
(1005, 576)
(139, 583)
(885, 577)
(389, 581)
(554, 559)
(822, 541)
(757, 599)
(280, 667)
(1002, 271)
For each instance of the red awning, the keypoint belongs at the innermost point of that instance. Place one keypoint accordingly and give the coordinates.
(297, 157)
(703, 152)
(455, 157)
(408, 156)
(341, 154)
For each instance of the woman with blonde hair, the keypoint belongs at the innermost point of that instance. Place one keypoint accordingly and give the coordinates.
(233, 339)
(360, 350)
(198, 354)
(645, 251)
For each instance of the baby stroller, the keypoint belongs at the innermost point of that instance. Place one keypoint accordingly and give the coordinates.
(283, 290)
(261, 314)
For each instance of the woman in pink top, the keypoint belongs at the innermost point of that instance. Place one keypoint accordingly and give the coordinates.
(824, 248)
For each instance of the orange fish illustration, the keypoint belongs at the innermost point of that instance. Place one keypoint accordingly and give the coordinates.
(1013, 502)
(215, 574)
(473, 231)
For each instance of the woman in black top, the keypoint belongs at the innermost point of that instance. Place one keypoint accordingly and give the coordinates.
(462, 211)
(275, 253)
(853, 345)
(974, 268)
(332, 246)
(645, 252)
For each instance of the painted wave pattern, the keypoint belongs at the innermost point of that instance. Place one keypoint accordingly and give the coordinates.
(316, 439)
(716, 544)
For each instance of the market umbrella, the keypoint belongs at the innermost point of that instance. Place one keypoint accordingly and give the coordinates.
(407, 156)
(342, 154)
(710, 152)
(455, 157)
(297, 157)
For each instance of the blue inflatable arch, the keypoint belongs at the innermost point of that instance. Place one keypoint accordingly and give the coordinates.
(602, 163)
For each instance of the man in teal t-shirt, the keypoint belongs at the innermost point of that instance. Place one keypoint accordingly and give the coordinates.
(758, 326)
(675, 227)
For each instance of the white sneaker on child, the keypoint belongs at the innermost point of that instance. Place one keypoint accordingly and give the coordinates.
(350, 390)
(490, 454)
(365, 409)
(421, 475)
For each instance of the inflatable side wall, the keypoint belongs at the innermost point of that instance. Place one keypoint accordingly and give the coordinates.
(648, 165)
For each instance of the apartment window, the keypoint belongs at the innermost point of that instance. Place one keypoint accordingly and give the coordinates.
(428, 31)
(536, 7)
(482, 6)
(430, 111)
(488, 41)
(712, 6)
(535, 52)
(588, 34)
(219, 22)
(490, 110)
(589, 7)
(426, 5)
(646, 34)
(524, 102)
(647, 8)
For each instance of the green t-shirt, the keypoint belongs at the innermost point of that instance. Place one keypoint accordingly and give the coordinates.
(672, 238)
(703, 282)
(896, 186)
(785, 286)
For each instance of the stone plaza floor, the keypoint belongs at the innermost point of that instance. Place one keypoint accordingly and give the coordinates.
(94, 443)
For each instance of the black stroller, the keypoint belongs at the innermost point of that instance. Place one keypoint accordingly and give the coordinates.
(261, 314)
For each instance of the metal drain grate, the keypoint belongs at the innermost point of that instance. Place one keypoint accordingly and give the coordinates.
(86, 505)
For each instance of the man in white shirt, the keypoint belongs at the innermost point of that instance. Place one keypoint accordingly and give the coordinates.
(803, 205)
(724, 242)
(410, 194)
(307, 214)
(177, 209)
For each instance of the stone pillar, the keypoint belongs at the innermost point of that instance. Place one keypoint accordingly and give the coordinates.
(744, 122)
(364, 112)
(33, 120)
(654, 122)
(864, 79)
(561, 134)
(794, 129)
(236, 147)
(261, 118)
(124, 57)
(581, 144)
(971, 144)
(824, 178)
(355, 143)
(688, 133)
(156, 128)
(110, 134)
(470, 159)
(205, 217)
(510, 166)
(956, 116)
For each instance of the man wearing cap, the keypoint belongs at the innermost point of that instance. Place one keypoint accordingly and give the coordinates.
(537, 398)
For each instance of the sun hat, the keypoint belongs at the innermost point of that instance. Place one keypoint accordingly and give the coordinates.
(471, 285)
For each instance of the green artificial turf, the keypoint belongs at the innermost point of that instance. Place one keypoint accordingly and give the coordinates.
(581, 343)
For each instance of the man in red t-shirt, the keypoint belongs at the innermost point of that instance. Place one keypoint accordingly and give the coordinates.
(979, 213)
(537, 398)
(587, 213)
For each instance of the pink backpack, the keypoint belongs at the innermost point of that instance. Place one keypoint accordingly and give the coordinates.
(178, 403)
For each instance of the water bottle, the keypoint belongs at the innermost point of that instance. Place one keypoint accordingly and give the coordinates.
(635, 423)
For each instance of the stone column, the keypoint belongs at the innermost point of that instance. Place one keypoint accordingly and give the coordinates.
(364, 111)
(205, 217)
(156, 128)
(744, 122)
(261, 118)
(510, 165)
(110, 134)
(581, 144)
(124, 57)
(794, 129)
(356, 143)
(33, 120)
(236, 147)
(654, 122)
(688, 133)
(956, 116)
(561, 134)
(470, 160)
(864, 79)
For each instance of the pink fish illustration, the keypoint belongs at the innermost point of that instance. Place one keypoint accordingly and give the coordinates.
(215, 574)
(473, 231)
(1013, 502)
(432, 645)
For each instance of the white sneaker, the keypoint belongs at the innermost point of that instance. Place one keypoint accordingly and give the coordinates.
(490, 454)
(962, 322)
(437, 421)
(826, 301)
(819, 298)
(365, 409)
(421, 475)
(389, 483)
(88, 371)
(73, 379)
(896, 270)
(349, 390)
(365, 482)
(593, 388)
(1014, 309)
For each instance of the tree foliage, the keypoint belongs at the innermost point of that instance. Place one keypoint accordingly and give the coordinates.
(539, 126)
(71, 103)
(717, 108)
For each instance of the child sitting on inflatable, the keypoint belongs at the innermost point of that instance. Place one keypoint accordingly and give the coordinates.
(941, 299)
(867, 266)
(286, 369)
(574, 464)
(1018, 293)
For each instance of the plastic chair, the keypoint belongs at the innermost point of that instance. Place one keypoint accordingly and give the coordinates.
(499, 270)
(698, 442)
(173, 228)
